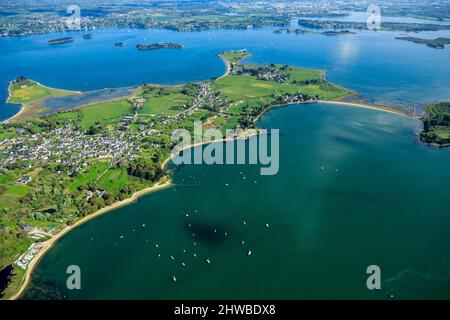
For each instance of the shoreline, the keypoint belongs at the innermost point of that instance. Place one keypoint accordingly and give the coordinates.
(50, 242)
(23, 105)
(135, 196)
(172, 155)
(341, 103)
(159, 185)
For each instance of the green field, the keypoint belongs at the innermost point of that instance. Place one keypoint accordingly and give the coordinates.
(114, 180)
(236, 88)
(104, 112)
(91, 175)
(164, 105)
(13, 193)
(306, 81)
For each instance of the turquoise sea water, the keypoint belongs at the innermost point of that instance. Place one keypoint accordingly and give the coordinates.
(355, 186)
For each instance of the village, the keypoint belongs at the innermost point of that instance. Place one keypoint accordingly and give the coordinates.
(66, 146)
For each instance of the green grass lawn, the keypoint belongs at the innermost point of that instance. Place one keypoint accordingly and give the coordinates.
(10, 199)
(66, 116)
(7, 134)
(114, 180)
(5, 178)
(164, 105)
(301, 74)
(104, 113)
(17, 189)
(91, 175)
(238, 87)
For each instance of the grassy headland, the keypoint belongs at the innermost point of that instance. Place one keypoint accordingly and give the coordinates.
(24, 91)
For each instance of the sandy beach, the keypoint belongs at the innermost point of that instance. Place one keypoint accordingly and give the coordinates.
(227, 65)
(368, 106)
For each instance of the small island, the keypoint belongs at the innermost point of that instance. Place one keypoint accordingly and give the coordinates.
(438, 43)
(60, 40)
(156, 46)
(436, 125)
(324, 33)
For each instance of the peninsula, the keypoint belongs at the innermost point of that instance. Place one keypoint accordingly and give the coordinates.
(59, 169)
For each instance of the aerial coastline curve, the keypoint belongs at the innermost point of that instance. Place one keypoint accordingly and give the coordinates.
(162, 184)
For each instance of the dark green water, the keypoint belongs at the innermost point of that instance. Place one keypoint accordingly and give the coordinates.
(355, 188)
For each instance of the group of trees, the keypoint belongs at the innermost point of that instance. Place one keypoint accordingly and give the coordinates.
(148, 171)
(307, 82)
(438, 116)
